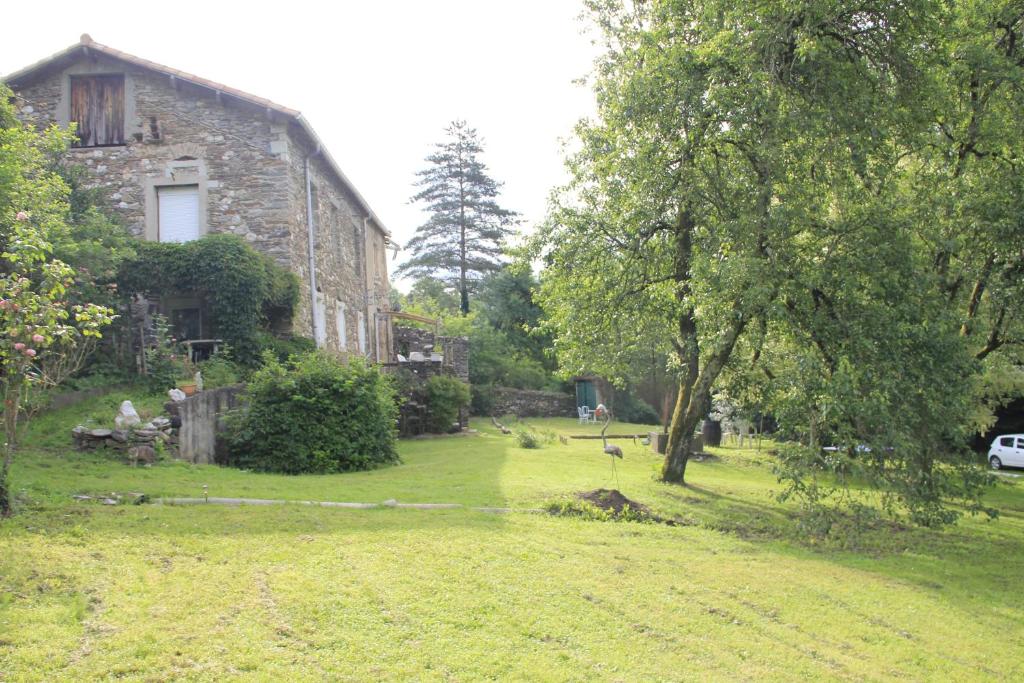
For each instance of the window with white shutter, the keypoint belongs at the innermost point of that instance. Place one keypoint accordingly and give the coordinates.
(178, 213)
(342, 331)
(362, 333)
(321, 312)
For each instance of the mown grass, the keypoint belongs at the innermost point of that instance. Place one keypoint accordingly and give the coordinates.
(296, 593)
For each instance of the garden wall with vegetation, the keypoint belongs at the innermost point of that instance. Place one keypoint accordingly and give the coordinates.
(527, 402)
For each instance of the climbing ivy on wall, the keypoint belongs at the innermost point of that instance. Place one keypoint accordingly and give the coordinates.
(244, 290)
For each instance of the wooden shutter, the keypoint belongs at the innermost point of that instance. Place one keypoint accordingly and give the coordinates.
(178, 217)
(97, 106)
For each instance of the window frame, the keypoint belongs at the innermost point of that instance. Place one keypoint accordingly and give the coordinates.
(177, 172)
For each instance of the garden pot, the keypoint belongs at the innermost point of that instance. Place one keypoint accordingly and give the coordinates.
(188, 389)
(659, 441)
(711, 430)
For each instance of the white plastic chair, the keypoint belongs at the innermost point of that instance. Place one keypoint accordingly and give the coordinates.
(584, 414)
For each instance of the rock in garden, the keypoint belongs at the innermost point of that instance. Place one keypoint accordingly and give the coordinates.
(160, 422)
(100, 433)
(127, 416)
(176, 395)
(141, 453)
(119, 435)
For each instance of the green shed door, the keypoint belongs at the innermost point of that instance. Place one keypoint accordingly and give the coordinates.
(586, 394)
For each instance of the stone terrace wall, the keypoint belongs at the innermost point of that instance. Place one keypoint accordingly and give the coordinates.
(455, 349)
(528, 403)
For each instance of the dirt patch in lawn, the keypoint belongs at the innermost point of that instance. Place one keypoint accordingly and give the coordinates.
(610, 504)
(613, 501)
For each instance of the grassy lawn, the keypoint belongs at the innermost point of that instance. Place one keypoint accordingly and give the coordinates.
(291, 592)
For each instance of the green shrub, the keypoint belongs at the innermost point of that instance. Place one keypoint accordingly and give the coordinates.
(219, 371)
(481, 401)
(628, 408)
(314, 414)
(283, 348)
(446, 396)
(527, 437)
(166, 361)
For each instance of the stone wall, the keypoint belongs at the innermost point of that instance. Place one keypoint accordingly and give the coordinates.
(528, 403)
(351, 263)
(248, 162)
(201, 418)
(455, 349)
(224, 148)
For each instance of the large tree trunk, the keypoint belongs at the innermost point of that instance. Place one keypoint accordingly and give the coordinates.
(680, 438)
(12, 393)
(5, 489)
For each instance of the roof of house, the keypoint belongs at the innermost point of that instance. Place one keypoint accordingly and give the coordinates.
(87, 44)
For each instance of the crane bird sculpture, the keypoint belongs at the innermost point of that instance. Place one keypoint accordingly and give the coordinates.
(609, 449)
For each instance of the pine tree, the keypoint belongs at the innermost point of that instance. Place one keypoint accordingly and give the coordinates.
(462, 240)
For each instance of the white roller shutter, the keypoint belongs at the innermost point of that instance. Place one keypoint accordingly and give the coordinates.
(362, 333)
(179, 213)
(321, 313)
(342, 330)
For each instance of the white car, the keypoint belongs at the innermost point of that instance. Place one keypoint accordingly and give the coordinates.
(1007, 450)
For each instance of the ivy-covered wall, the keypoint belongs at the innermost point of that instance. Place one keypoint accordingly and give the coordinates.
(244, 291)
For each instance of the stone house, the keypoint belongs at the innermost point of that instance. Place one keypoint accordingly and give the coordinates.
(179, 156)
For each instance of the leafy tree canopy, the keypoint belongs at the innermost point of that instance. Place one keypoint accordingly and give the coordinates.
(751, 199)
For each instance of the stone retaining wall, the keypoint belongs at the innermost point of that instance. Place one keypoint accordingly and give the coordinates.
(202, 421)
(528, 403)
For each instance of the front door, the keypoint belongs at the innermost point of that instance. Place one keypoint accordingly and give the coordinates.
(586, 394)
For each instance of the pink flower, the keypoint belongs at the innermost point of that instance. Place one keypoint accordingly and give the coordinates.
(19, 346)
(3, 303)
(22, 216)
(30, 352)
(38, 338)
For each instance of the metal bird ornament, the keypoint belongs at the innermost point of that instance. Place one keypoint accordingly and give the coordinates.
(609, 449)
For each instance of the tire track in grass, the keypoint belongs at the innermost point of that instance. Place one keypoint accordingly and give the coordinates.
(943, 655)
(725, 606)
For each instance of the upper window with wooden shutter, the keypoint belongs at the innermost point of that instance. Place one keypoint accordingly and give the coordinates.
(97, 106)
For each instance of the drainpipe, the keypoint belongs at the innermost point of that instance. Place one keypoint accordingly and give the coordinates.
(318, 323)
(365, 275)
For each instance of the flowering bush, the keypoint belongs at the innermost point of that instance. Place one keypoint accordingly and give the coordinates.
(35, 320)
(38, 326)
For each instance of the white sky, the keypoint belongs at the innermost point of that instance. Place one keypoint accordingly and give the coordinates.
(378, 81)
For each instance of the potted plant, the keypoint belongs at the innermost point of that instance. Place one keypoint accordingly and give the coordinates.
(188, 381)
